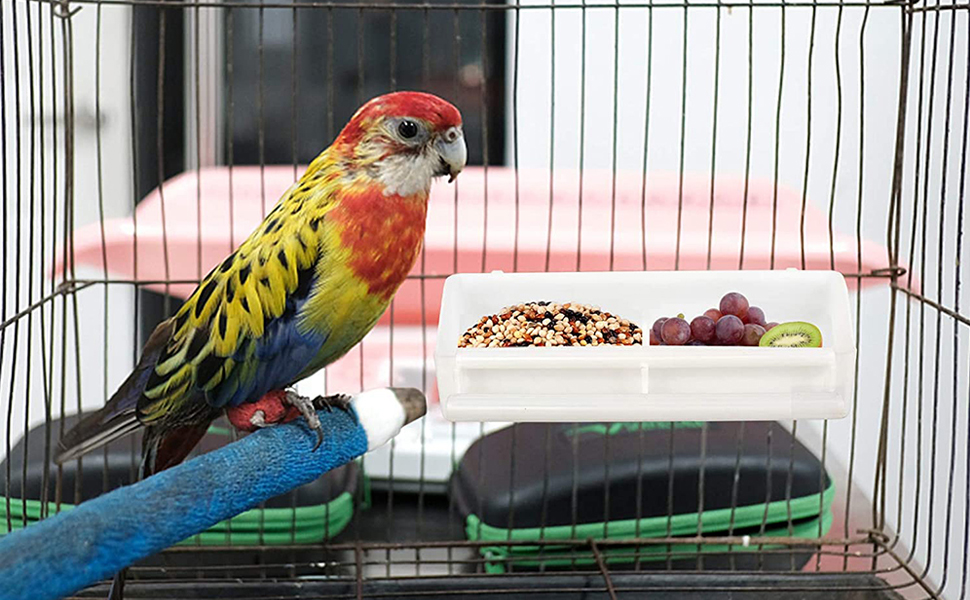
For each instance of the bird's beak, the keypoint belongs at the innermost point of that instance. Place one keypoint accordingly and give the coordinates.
(451, 148)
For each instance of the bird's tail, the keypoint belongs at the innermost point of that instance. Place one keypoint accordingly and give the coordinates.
(96, 430)
(119, 417)
(115, 420)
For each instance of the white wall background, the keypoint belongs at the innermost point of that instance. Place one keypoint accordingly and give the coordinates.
(105, 186)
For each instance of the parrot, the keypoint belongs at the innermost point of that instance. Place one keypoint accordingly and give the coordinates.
(300, 292)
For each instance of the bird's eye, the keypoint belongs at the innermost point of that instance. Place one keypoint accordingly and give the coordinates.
(407, 129)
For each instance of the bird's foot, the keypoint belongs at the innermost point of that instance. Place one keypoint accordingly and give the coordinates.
(309, 412)
(271, 409)
(283, 406)
(338, 401)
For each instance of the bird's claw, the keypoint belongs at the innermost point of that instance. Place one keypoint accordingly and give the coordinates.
(258, 419)
(340, 401)
(309, 412)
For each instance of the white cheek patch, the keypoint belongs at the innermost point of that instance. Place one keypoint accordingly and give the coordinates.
(407, 174)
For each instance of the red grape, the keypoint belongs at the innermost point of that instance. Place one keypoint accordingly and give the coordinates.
(730, 330)
(752, 334)
(735, 322)
(675, 332)
(735, 304)
(756, 316)
(703, 329)
(713, 314)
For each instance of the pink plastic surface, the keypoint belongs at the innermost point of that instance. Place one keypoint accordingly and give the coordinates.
(176, 248)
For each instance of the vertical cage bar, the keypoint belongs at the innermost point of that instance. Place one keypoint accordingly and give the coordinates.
(646, 146)
(3, 295)
(515, 135)
(58, 485)
(956, 304)
(483, 99)
(683, 138)
(956, 336)
(936, 356)
(717, 85)
(28, 374)
(747, 146)
(17, 258)
(893, 240)
(42, 250)
(552, 130)
(160, 154)
(101, 219)
(582, 139)
(858, 306)
(778, 111)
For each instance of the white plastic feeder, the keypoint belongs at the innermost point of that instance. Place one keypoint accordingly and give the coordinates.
(640, 383)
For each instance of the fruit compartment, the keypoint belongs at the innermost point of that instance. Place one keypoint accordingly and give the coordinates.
(643, 382)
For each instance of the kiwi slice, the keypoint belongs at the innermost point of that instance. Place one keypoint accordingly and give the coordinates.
(797, 334)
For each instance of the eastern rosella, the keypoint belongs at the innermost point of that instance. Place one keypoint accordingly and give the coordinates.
(299, 293)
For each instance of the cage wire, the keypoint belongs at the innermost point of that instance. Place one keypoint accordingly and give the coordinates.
(586, 122)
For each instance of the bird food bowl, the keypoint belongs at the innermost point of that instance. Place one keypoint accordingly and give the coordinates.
(643, 382)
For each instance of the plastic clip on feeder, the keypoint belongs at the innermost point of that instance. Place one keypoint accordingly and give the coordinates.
(74, 549)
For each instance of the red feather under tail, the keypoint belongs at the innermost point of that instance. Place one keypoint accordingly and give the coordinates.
(174, 446)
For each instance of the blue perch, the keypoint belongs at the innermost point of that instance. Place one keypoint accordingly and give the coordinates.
(73, 549)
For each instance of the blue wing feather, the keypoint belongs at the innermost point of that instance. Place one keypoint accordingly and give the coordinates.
(277, 359)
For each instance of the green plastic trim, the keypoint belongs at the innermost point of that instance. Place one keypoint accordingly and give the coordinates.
(304, 524)
(713, 521)
(217, 430)
(496, 555)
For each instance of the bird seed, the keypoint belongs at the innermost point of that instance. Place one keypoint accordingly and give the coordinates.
(551, 324)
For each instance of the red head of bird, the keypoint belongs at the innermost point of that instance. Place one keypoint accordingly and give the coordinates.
(403, 140)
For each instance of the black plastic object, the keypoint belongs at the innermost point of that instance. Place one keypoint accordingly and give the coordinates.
(313, 512)
(629, 586)
(622, 480)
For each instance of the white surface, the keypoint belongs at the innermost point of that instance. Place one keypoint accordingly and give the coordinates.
(93, 353)
(381, 415)
(661, 383)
